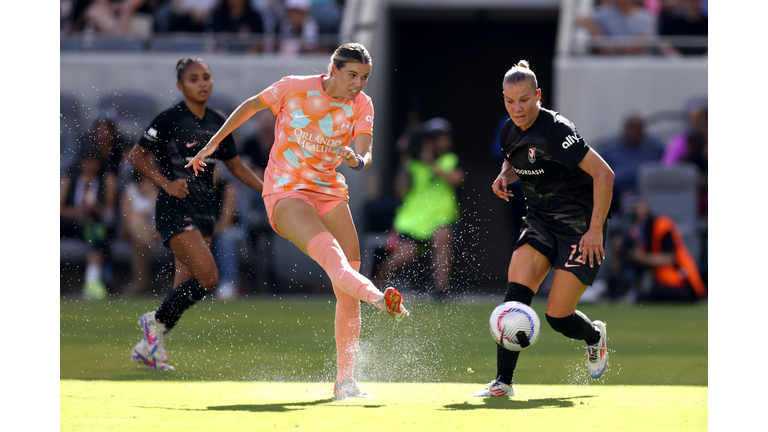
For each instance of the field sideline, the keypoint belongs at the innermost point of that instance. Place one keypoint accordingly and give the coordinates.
(269, 364)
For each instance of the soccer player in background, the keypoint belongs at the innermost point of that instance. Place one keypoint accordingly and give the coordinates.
(306, 198)
(185, 212)
(568, 191)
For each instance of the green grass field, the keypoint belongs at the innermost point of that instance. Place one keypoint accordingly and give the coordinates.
(269, 364)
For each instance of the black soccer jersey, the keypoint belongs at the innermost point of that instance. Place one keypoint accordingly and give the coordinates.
(546, 158)
(175, 137)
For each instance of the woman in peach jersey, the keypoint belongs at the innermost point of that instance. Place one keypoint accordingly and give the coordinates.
(318, 116)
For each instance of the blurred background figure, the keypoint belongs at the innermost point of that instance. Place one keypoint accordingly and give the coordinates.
(683, 18)
(228, 236)
(298, 30)
(137, 205)
(119, 17)
(654, 263)
(87, 203)
(427, 181)
(625, 26)
(625, 153)
(237, 18)
(327, 13)
(187, 16)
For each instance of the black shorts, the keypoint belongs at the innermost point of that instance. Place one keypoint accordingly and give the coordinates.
(562, 250)
(173, 216)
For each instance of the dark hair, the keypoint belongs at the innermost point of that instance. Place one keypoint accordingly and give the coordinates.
(183, 64)
(519, 72)
(350, 53)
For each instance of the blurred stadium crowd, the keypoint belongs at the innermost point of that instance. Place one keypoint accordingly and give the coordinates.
(285, 26)
(107, 209)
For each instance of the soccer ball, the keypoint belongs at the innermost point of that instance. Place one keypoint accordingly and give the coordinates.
(515, 326)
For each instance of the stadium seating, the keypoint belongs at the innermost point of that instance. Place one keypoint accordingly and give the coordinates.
(673, 191)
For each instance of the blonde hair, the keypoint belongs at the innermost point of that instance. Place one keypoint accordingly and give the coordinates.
(519, 72)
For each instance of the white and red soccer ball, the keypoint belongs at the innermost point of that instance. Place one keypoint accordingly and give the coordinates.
(515, 326)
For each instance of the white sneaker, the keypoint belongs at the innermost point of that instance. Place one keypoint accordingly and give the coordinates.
(348, 388)
(154, 333)
(226, 291)
(597, 354)
(496, 389)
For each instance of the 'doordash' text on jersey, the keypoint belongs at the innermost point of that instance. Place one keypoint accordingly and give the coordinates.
(545, 157)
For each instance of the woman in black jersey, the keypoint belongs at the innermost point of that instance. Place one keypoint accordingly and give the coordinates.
(186, 206)
(567, 188)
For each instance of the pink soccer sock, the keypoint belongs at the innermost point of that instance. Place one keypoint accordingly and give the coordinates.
(347, 330)
(324, 249)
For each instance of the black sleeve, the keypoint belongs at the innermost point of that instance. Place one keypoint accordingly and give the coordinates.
(566, 145)
(158, 133)
(227, 149)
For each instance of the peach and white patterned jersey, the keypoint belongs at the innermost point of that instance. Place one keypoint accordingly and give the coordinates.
(311, 127)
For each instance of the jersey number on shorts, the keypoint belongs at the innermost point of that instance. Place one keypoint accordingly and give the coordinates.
(581, 259)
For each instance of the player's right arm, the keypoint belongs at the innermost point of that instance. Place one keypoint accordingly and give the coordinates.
(139, 158)
(242, 113)
(505, 177)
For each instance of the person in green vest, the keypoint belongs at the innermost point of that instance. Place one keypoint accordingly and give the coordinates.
(427, 180)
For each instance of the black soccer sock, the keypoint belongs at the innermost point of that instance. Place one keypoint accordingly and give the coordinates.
(177, 301)
(506, 360)
(576, 326)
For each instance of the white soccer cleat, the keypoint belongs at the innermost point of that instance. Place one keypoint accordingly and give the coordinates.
(392, 304)
(141, 355)
(496, 389)
(154, 333)
(348, 388)
(597, 354)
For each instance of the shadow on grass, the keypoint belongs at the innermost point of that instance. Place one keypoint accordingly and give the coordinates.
(281, 407)
(511, 404)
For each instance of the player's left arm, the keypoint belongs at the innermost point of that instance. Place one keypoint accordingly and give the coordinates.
(242, 172)
(363, 147)
(591, 243)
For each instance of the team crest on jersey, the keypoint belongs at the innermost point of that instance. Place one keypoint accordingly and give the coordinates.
(532, 154)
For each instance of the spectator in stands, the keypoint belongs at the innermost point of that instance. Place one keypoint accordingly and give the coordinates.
(698, 156)
(110, 143)
(653, 246)
(687, 19)
(427, 181)
(238, 18)
(255, 152)
(625, 153)
(228, 236)
(696, 113)
(298, 32)
(120, 17)
(137, 205)
(327, 13)
(625, 26)
(87, 198)
(185, 16)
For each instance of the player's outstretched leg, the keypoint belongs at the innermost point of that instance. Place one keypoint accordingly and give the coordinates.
(496, 388)
(597, 353)
(327, 252)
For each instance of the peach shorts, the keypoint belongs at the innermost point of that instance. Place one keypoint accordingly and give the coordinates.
(324, 203)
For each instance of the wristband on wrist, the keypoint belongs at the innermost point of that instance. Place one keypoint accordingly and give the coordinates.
(361, 165)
